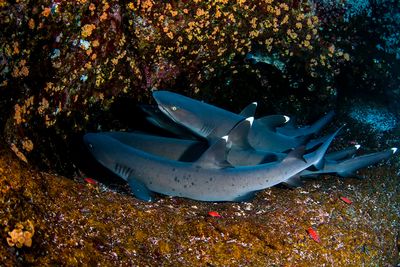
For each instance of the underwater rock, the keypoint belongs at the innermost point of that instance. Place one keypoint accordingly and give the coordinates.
(77, 223)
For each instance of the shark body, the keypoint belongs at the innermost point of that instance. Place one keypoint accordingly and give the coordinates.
(338, 163)
(348, 167)
(290, 129)
(210, 178)
(191, 150)
(212, 122)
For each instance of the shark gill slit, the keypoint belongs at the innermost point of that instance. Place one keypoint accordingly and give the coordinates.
(123, 170)
(207, 128)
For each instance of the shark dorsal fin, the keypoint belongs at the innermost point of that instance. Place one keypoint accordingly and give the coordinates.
(296, 153)
(291, 123)
(273, 121)
(215, 156)
(238, 136)
(249, 111)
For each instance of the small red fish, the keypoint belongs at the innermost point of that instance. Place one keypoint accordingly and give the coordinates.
(314, 235)
(90, 181)
(214, 214)
(345, 199)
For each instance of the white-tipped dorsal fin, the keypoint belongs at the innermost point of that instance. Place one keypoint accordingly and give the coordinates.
(249, 111)
(251, 120)
(271, 122)
(238, 135)
(215, 156)
(357, 146)
(287, 118)
(394, 149)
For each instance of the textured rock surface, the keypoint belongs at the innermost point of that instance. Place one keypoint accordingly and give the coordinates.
(78, 222)
(69, 67)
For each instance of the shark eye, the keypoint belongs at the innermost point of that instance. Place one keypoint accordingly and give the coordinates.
(174, 108)
(90, 146)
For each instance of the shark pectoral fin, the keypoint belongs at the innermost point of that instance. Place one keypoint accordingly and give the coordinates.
(309, 174)
(350, 175)
(294, 181)
(273, 121)
(346, 174)
(249, 111)
(215, 155)
(140, 190)
(238, 135)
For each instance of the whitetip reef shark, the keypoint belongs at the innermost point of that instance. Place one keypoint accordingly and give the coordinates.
(212, 122)
(159, 119)
(341, 163)
(348, 167)
(210, 178)
(191, 150)
(240, 153)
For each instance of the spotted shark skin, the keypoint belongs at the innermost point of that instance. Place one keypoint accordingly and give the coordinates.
(341, 163)
(190, 150)
(210, 178)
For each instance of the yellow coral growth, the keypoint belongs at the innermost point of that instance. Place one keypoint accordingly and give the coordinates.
(27, 144)
(18, 153)
(46, 12)
(21, 235)
(87, 30)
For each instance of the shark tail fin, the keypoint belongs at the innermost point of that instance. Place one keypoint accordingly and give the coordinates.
(317, 126)
(317, 157)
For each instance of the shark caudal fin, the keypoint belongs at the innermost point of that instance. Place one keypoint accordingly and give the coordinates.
(317, 126)
(349, 167)
(316, 157)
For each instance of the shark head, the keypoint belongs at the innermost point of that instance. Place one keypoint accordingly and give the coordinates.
(183, 110)
(101, 148)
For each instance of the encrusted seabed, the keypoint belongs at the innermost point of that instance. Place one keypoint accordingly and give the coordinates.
(80, 223)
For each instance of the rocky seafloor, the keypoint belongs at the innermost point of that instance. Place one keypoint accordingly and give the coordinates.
(47, 219)
(71, 67)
